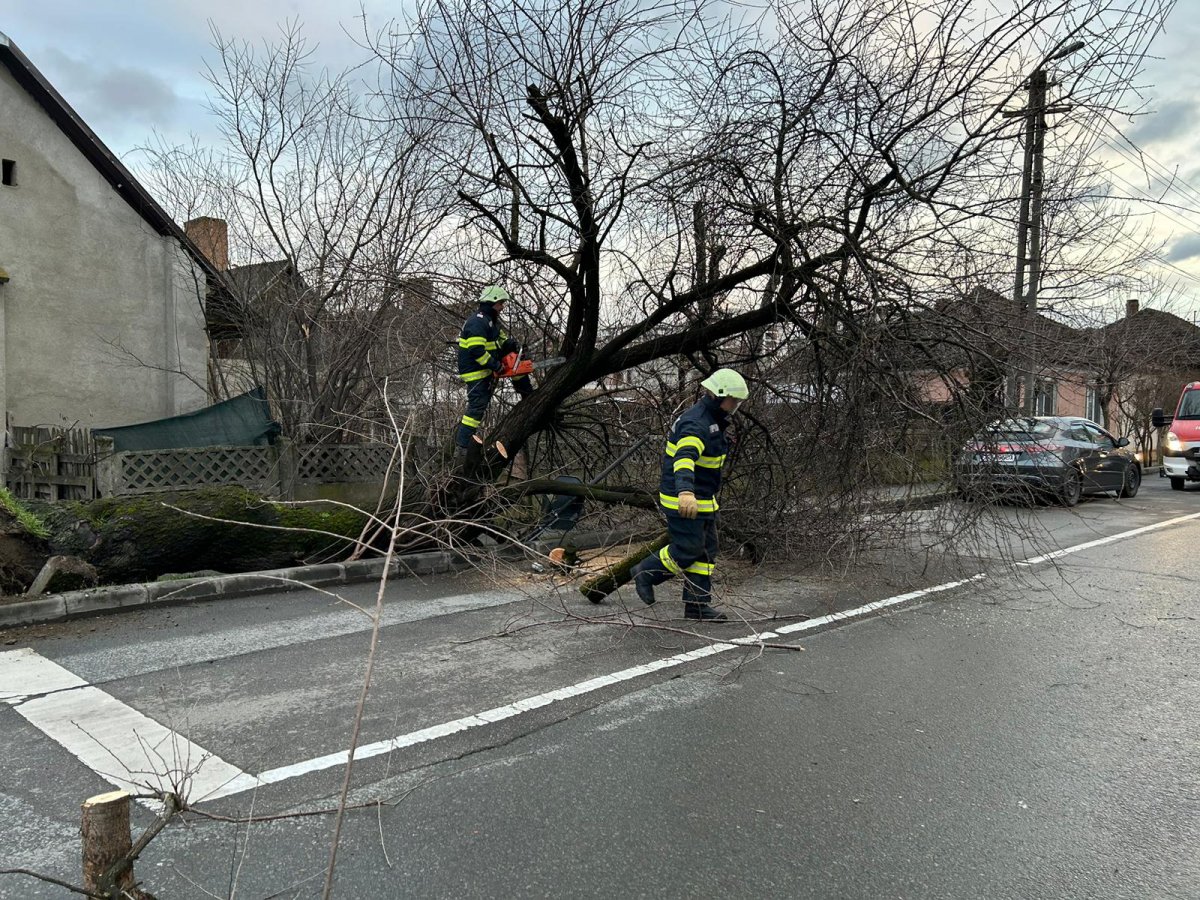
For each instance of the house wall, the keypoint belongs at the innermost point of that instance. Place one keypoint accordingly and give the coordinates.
(101, 311)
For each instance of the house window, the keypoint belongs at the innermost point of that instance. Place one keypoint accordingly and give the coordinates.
(1092, 407)
(1044, 397)
(8, 172)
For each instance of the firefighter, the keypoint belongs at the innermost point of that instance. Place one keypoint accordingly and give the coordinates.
(691, 478)
(482, 347)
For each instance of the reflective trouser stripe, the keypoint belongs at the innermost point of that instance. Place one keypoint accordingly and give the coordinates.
(473, 423)
(665, 558)
(700, 568)
(476, 376)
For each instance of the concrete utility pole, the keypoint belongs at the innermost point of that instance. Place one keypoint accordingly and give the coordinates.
(1029, 226)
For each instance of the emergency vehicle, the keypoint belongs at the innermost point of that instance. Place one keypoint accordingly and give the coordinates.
(1181, 450)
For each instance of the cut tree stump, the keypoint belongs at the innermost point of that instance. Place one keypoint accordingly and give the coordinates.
(106, 841)
(600, 586)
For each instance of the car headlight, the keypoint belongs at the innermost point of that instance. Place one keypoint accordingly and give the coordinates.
(1173, 442)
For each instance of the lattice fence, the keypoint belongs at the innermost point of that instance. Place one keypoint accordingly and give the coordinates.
(342, 463)
(146, 471)
(269, 471)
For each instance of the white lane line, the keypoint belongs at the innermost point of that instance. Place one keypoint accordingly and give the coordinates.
(510, 710)
(118, 743)
(1046, 557)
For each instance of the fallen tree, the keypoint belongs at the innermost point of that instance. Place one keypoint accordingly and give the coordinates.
(132, 539)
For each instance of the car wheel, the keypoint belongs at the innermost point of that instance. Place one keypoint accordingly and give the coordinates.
(1072, 488)
(1177, 484)
(1131, 483)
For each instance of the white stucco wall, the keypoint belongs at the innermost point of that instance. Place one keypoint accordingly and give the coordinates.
(101, 311)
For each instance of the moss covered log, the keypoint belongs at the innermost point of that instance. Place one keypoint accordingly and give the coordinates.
(600, 586)
(130, 539)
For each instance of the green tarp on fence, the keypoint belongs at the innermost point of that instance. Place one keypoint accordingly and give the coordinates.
(242, 421)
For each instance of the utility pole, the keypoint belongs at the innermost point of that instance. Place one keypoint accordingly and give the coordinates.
(1029, 226)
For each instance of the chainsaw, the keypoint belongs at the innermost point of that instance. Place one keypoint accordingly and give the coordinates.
(512, 366)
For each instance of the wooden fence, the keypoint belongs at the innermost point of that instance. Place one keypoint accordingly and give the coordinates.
(46, 463)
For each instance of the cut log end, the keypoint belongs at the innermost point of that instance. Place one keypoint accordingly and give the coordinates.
(104, 799)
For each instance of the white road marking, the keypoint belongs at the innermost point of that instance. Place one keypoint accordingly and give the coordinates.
(130, 750)
(511, 710)
(1067, 551)
(118, 743)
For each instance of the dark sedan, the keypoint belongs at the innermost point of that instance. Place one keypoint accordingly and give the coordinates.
(1047, 456)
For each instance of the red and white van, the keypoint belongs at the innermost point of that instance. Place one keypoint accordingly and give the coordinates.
(1181, 451)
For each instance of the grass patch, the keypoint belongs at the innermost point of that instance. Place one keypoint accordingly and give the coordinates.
(27, 520)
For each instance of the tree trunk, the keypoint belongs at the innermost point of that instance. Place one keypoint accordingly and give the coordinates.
(600, 586)
(228, 530)
(106, 841)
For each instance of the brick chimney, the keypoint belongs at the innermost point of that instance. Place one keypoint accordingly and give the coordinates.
(212, 237)
(1131, 307)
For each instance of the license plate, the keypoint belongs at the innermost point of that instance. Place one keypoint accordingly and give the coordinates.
(999, 458)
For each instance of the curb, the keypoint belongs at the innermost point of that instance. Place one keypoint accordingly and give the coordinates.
(117, 598)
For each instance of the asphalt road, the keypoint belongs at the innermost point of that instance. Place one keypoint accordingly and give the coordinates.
(1029, 733)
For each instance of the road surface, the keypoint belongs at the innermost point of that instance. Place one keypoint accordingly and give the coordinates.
(1017, 720)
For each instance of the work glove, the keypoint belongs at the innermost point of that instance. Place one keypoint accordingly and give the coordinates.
(688, 507)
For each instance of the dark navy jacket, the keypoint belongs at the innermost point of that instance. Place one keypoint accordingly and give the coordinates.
(481, 345)
(693, 457)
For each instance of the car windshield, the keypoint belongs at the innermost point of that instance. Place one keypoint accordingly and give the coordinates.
(1018, 431)
(1189, 406)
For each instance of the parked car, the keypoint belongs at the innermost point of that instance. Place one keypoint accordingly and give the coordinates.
(1181, 451)
(1047, 456)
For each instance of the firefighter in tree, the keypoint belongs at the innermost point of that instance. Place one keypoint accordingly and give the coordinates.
(485, 352)
(687, 493)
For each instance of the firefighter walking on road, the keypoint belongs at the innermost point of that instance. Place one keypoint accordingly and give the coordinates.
(691, 479)
(482, 346)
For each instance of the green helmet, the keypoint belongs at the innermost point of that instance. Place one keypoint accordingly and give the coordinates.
(726, 383)
(494, 294)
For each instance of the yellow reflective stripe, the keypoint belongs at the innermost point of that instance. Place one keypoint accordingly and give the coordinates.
(482, 360)
(684, 463)
(711, 462)
(467, 343)
(492, 345)
(671, 565)
(700, 568)
(669, 502)
(476, 376)
(474, 423)
(690, 441)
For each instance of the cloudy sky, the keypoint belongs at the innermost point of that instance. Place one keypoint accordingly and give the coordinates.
(133, 72)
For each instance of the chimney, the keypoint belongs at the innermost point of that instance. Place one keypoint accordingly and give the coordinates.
(212, 237)
(1131, 307)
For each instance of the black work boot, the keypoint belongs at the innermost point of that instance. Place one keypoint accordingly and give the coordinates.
(703, 611)
(643, 584)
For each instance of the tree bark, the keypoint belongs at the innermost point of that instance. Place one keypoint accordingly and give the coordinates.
(600, 586)
(228, 530)
(106, 842)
